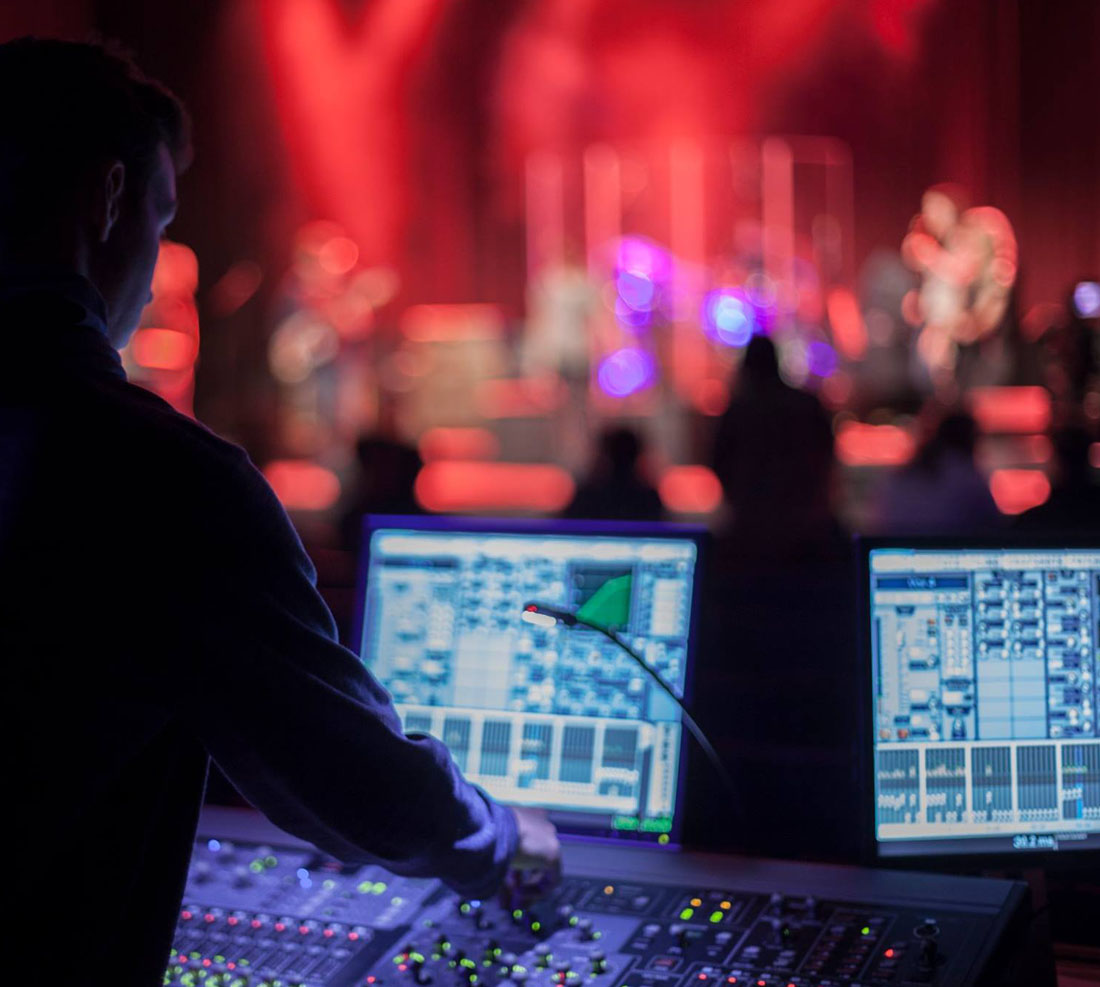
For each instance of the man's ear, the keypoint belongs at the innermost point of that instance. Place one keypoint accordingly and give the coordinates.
(113, 183)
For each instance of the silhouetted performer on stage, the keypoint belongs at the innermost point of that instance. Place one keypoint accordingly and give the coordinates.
(157, 606)
(614, 490)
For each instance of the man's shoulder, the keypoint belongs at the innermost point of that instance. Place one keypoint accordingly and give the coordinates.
(164, 436)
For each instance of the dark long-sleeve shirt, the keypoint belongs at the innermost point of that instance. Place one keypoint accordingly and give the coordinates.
(157, 609)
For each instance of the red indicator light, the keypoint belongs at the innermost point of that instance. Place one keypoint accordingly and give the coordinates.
(280, 927)
(231, 965)
(233, 920)
(256, 923)
(208, 917)
(327, 933)
(731, 980)
(889, 954)
(303, 930)
(206, 962)
(402, 967)
(702, 976)
(761, 983)
(186, 915)
(371, 979)
(353, 936)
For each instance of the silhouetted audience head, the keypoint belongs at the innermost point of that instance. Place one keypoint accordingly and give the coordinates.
(1071, 455)
(761, 362)
(614, 490)
(956, 433)
(620, 449)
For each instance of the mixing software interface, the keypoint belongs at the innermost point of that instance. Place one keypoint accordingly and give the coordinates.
(551, 716)
(985, 676)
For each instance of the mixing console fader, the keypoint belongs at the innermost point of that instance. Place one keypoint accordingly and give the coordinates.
(276, 914)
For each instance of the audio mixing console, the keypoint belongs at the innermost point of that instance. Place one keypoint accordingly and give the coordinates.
(278, 914)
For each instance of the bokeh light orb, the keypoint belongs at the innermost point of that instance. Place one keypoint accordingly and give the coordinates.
(625, 372)
(636, 290)
(1086, 299)
(729, 317)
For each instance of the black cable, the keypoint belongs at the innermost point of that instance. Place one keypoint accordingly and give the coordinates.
(571, 620)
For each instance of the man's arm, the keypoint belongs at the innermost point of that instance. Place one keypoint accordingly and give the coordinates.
(304, 731)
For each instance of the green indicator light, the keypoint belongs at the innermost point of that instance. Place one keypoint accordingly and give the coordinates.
(464, 908)
(517, 968)
(379, 887)
(219, 958)
(256, 866)
(398, 958)
(364, 887)
(497, 951)
(686, 914)
(716, 917)
(270, 861)
(446, 946)
(329, 884)
(866, 930)
(535, 926)
(662, 839)
(417, 957)
(468, 963)
(573, 920)
(518, 913)
(244, 963)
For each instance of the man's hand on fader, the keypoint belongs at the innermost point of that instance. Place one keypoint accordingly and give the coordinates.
(537, 861)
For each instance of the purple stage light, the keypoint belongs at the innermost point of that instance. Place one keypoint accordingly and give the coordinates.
(636, 290)
(729, 317)
(637, 255)
(1086, 299)
(821, 358)
(631, 318)
(625, 372)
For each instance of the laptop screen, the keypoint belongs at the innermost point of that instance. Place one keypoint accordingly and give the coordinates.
(540, 714)
(984, 695)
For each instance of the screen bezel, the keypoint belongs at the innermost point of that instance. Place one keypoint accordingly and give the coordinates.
(567, 826)
(968, 857)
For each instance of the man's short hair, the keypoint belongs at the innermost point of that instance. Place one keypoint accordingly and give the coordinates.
(66, 108)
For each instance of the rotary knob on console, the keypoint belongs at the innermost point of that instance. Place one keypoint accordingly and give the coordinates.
(242, 877)
(928, 956)
(781, 931)
(585, 931)
(599, 962)
(543, 956)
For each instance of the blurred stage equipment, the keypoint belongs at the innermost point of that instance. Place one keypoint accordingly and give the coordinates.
(689, 250)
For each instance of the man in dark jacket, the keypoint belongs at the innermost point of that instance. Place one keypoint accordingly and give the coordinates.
(156, 606)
